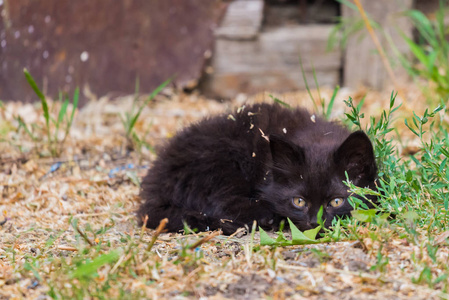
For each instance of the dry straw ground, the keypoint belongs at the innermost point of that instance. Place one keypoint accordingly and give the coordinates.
(81, 216)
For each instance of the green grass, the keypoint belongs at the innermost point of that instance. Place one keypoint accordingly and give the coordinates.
(58, 123)
(55, 123)
(413, 206)
(412, 190)
(431, 60)
(130, 118)
(100, 269)
(107, 262)
(415, 183)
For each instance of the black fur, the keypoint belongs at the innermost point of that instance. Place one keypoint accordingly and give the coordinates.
(224, 172)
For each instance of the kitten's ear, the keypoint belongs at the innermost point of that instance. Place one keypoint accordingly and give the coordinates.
(284, 152)
(356, 156)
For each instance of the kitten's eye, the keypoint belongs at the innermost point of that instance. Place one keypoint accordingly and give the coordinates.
(299, 202)
(336, 202)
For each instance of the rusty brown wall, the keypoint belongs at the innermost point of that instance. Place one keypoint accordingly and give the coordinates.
(104, 44)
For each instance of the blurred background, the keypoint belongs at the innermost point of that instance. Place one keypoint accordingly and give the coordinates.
(216, 47)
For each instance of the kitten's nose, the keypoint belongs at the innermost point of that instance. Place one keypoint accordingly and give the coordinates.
(313, 222)
(313, 225)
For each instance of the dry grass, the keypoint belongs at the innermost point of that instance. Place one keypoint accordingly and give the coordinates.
(72, 233)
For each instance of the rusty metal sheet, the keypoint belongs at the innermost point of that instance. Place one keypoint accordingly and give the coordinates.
(101, 44)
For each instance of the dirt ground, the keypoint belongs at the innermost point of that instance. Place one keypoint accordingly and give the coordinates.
(95, 180)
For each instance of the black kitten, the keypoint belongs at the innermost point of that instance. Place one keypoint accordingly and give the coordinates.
(263, 163)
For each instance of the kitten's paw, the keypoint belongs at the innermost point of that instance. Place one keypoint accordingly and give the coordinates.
(268, 223)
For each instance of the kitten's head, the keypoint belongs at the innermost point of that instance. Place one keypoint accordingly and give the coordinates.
(306, 178)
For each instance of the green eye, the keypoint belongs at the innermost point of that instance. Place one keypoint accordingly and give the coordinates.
(336, 202)
(299, 202)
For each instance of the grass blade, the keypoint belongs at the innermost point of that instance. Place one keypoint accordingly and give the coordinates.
(41, 96)
(280, 102)
(60, 119)
(25, 127)
(265, 239)
(423, 25)
(316, 83)
(409, 127)
(156, 91)
(348, 4)
(76, 95)
(307, 84)
(299, 238)
(416, 50)
(90, 268)
(330, 106)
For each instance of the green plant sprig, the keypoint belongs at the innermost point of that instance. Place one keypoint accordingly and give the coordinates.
(61, 120)
(129, 119)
